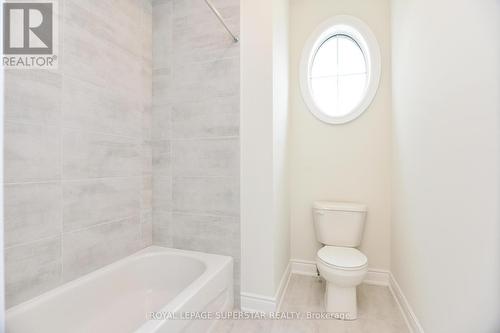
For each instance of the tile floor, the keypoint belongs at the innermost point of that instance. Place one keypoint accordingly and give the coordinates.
(378, 312)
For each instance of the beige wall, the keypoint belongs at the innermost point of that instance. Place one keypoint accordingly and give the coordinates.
(349, 162)
(445, 230)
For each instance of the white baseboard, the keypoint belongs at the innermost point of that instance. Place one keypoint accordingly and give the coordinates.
(256, 303)
(408, 314)
(259, 303)
(378, 277)
(285, 279)
(303, 267)
(374, 276)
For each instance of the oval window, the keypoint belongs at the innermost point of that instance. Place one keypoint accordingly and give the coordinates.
(340, 70)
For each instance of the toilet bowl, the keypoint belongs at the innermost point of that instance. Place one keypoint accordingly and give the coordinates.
(339, 227)
(343, 269)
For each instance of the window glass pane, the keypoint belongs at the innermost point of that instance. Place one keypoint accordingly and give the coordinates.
(338, 76)
(351, 59)
(325, 60)
(351, 90)
(325, 94)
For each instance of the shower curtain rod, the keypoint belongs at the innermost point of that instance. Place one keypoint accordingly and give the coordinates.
(221, 20)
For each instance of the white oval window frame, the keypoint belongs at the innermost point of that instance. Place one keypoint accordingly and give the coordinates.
(365, 38)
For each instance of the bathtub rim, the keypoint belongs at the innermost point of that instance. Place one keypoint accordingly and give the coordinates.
(214, 264)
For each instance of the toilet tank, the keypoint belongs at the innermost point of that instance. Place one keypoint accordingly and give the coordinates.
(339, 223)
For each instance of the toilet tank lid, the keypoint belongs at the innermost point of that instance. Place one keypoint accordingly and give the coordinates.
(340, 206)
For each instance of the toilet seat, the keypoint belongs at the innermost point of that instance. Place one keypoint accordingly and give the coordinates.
(345, 258)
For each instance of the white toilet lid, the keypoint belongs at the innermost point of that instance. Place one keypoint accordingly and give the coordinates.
(343, 257)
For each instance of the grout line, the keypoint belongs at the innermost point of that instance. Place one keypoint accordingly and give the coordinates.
(61, 136)
(222, 137)
(55, 236)
(170, 169)
(200, 214)
(51, 181)
(87, 131)
(174, 178)
(176, 61)
(223, 98)
(127, 94)
(101, 178)
(67, 128)
(116, 220)
(32, 123)
(62, 180)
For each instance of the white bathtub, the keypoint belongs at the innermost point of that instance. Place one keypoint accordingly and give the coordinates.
(120, 297)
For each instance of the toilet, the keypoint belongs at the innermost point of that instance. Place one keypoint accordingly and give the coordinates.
(339, 227)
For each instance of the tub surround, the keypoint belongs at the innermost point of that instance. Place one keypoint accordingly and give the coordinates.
(121, 297)
(77, 152)
(196, 128)
(92, 159)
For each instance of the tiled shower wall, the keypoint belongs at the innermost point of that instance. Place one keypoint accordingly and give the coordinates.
(196, 128)
(77, 149)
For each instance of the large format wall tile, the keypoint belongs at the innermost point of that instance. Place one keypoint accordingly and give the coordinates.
(147, 122)
(32, 153)
(200, 81)
(147, 35)
(162, 33)
(92, 155)
(197, 33)
(195, 128)
(206, 158)
(147, 232)
(215, 117)
(78, 153)
(147, 108)
(93, 17)
(32, 212)
(161, 126)
(162, 234)
(89, 58)
(162, 160)
(162, 193)
(212, 234)
(32, 269)
(91, 202)
(92, 248)
(92, 108)
(214, 195)
(147, 158)
(33, 96)
(163, 86)
(147, 193)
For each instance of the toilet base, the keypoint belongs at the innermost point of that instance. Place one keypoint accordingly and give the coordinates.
(341, 301)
